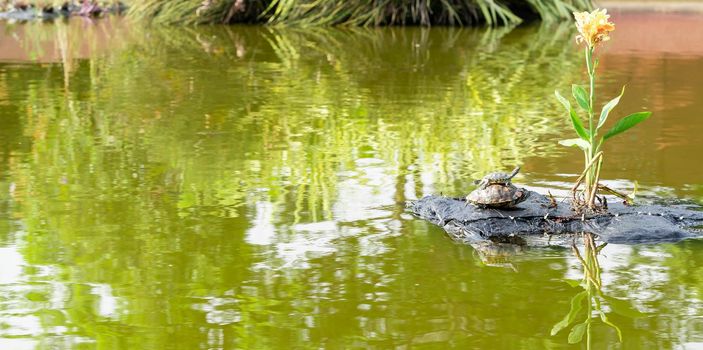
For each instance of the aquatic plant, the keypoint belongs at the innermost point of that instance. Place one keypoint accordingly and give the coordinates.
(363, 13)
(593, 28)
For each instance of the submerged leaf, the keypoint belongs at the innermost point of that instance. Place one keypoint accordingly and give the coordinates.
(572, 282)
(571, 316)
(576, 334)
(626, 123)
(581, 97)
(623, 307)
(608, 107)
(605, 320)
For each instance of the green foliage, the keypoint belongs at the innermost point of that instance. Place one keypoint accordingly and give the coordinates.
(605, 320)
(608, 107)
(580, 143)
(591, 146)
(623, 307)
(358, 13)
(577, 332)
(576, 306)
(586, 133)
(580, 96)
(625, 123)
(575, 120)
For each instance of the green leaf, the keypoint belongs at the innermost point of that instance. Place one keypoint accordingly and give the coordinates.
(578, 126)
(576, 334)
(605, 320)
(571, 316)
(573, 283)
(600, 247)
(575, 120)
(608, 107)
(623, 307)
(580, 143)
(581, 97)
(563, 101)
(626, 123)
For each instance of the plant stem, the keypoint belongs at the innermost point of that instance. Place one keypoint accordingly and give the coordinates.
(615, 193)
(593, 173)
(589, 166)
(590, 312)
(594, 189)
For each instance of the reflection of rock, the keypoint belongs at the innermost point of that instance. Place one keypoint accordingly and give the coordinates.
(534, 223)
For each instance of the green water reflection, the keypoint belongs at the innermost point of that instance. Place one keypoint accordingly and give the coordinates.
(244, 187)
(591, 294)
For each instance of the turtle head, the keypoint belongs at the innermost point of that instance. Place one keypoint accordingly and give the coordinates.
(521, 195)
(515, 171)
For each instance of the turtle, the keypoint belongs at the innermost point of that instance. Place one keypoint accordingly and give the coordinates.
(496, 178)
(497, 196)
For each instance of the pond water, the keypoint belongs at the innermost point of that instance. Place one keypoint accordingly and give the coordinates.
(244, 187)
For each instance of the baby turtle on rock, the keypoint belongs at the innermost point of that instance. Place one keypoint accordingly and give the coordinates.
(496, 178)
(496, 191)
(497, 196)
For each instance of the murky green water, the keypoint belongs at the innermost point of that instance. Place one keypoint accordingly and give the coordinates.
(209, 188)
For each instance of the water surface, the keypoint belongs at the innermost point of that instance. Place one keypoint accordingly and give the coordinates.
(244, 187)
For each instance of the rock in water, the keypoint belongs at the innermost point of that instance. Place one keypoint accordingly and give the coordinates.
(535, 223)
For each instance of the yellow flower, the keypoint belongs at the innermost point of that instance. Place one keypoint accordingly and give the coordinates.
(593, 27)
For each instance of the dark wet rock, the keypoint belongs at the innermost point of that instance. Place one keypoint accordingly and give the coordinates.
(534, 223)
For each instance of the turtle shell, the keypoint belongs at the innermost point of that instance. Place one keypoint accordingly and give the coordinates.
(497, 196)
